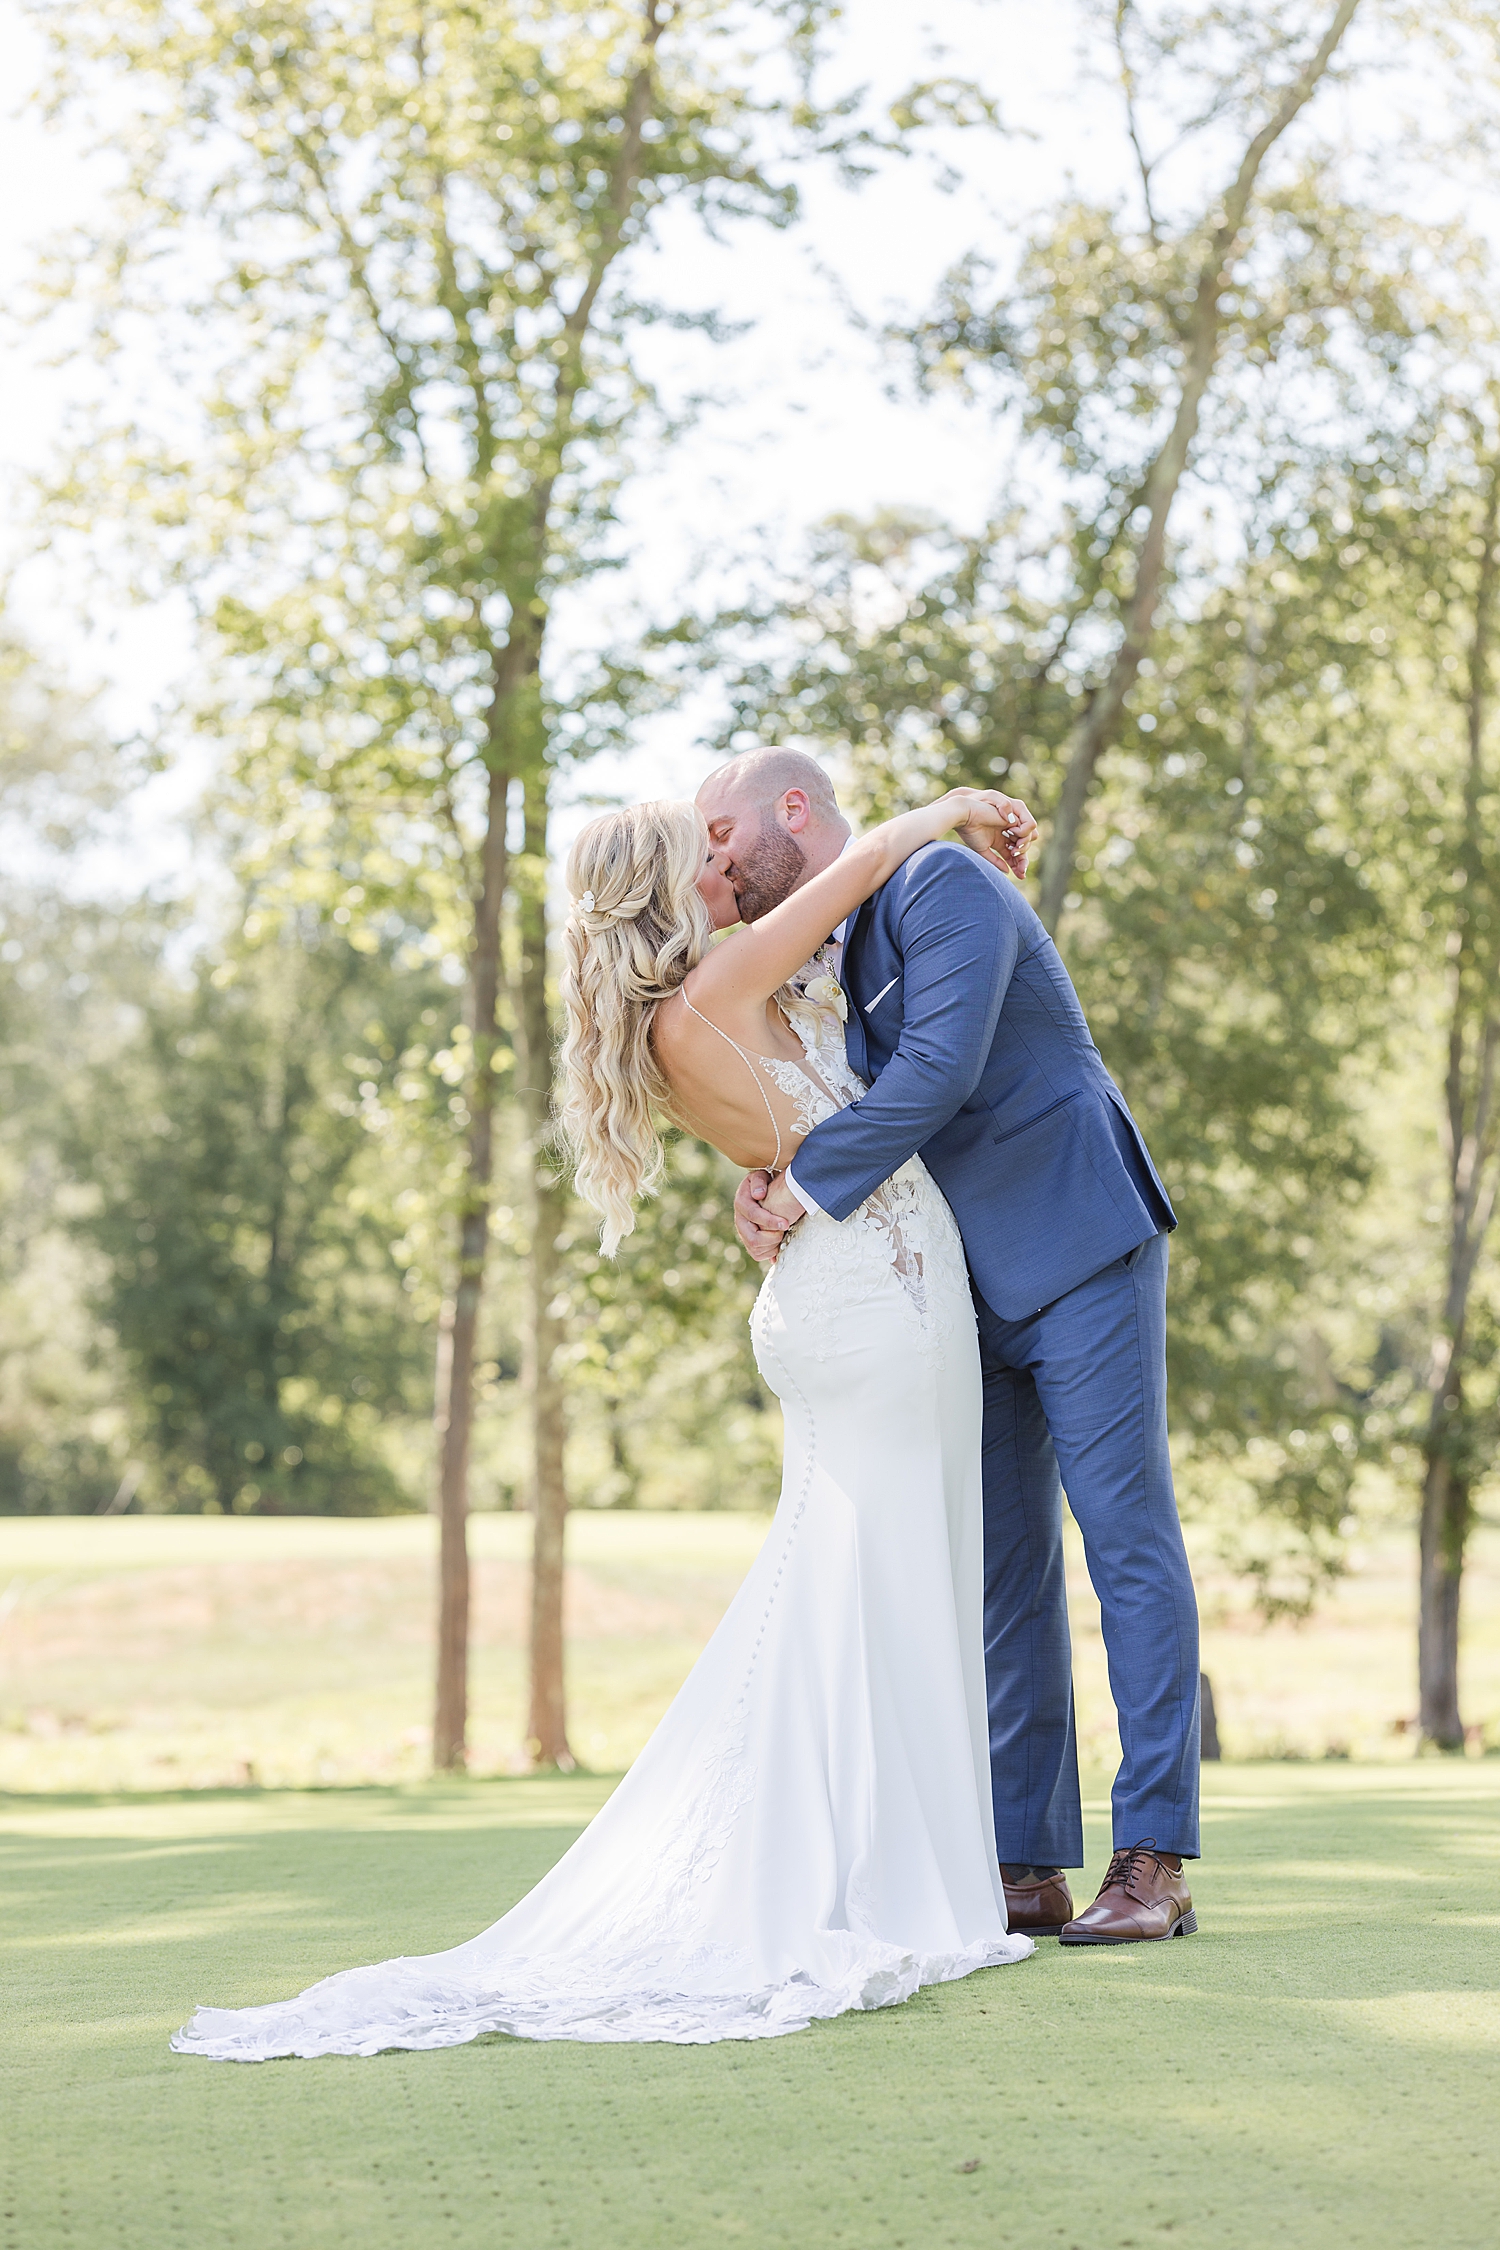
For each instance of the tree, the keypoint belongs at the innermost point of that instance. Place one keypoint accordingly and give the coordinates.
(547, 1727)
(660, 1368)
(1425, 531)
(1224, 935)
(1390, 568)
(1395, 552)
(249, 1285)
(1470, 1120)
(1129, 332)
(72, 974)
(411, 379)
(1173, 690)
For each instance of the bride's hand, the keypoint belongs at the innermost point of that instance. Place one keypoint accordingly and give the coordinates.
(1000, 828)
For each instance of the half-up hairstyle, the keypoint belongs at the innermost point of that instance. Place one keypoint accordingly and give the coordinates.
(636, 926)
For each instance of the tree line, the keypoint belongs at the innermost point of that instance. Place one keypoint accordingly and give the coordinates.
(1229, 628)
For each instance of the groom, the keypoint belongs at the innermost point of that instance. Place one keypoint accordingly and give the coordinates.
(962, 1017)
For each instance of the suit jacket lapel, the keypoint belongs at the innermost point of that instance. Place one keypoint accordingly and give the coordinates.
(854, 1027)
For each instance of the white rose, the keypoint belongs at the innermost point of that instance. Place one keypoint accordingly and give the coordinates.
(827, 992)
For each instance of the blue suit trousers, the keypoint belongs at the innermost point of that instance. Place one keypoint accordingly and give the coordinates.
(1074, 1398)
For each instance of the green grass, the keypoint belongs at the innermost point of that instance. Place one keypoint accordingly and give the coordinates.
(1320, 2066)
(168, 1652)
(163, 1652)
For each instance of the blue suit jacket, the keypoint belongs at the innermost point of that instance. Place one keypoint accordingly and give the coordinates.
(963, 1018)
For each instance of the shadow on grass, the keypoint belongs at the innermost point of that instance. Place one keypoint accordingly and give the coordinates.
(432, 1788)
(1350, 1886)
(1319, 2066)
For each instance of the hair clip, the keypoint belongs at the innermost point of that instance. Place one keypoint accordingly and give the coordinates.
(587, 902)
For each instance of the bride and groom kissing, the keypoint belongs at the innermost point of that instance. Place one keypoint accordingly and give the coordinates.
(963, 1018)
(869, 1782)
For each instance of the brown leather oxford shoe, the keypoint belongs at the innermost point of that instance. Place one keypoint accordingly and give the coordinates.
(1142, 1896)
(1037, 1900)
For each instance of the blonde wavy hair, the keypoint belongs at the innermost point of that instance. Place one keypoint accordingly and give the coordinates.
(636, 926)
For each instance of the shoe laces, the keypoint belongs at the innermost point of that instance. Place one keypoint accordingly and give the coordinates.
(1124, 1865)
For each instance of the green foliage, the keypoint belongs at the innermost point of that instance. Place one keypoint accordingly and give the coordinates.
(248, 1278)
(224, 1207)
(1160, 355)
(1220, 936)
(1280, 876)
(667, 1403)
(1231, 906)
(413, 339)
(411, 364)
(389, 250)
(70, 976)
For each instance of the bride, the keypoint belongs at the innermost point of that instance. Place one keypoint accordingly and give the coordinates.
(809, 1830)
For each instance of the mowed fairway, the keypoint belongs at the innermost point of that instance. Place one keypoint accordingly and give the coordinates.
(168, 1652)
(1320, 2065)
(171, 1652)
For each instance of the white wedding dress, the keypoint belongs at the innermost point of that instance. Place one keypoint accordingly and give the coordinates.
(809, 1830)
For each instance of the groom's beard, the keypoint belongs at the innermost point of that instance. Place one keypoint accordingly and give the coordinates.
(769, 872)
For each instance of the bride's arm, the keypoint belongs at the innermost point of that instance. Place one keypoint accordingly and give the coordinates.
(757, 961)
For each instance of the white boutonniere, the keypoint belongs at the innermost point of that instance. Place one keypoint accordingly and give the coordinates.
(827, 992)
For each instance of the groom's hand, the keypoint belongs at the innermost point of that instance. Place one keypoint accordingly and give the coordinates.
(760, 1227)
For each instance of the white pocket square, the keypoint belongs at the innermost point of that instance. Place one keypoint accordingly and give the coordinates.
(872, 1005)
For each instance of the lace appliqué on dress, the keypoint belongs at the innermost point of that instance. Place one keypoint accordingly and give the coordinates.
(905, 1229)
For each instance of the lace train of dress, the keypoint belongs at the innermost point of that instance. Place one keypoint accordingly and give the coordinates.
(809, 1830)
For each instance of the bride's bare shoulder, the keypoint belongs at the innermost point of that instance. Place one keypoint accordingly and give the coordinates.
(673, 1035)
(682, 1018)
(669, 1021)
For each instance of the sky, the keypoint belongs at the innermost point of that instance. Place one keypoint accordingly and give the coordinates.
(811, 418)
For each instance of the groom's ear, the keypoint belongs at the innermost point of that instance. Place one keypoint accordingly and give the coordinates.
(796, 809)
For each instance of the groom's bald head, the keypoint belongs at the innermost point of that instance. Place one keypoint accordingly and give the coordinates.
(775, 820)
(761, 777)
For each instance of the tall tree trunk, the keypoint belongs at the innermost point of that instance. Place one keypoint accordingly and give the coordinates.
(628, 1482)
(1099, 725)
(1445, 1526)
(547, 1730)
(454, 1415)
(515, 745)
(1470, 1137)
